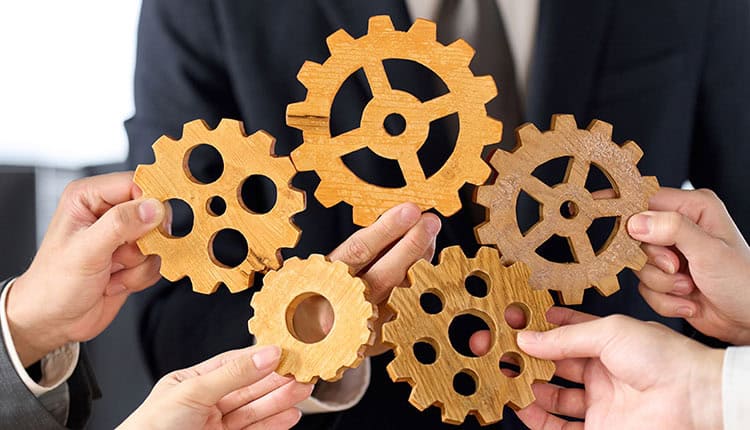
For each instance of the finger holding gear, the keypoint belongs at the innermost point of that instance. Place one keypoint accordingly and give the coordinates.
(467, 96)
(567, 209)
(218, 207)
(419, 325)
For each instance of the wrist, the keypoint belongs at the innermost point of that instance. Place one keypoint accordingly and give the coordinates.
(33, 337)
(705, 392)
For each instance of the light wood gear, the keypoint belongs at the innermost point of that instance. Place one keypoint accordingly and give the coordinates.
(467, 96)
(352, 331)
(243, 156)
(592, 146)
(432, 383)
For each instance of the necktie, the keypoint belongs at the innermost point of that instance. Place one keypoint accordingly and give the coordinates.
(480, 24)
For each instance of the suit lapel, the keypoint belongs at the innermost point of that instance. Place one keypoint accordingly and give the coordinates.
(569, 44)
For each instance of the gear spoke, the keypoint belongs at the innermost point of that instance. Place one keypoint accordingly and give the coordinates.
(411, 167)
(346, 143)
(603, 208)
(538, 234)
(537, 189)
(581, 247)
(377, 78)
(440, 107)
(577, 171)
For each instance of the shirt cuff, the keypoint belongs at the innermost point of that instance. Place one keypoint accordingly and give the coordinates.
(735, 392)
(57, 366)
(340, 395)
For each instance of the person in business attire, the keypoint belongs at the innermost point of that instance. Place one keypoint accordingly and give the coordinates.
(638, 374)
(88, 265)
(669, 76)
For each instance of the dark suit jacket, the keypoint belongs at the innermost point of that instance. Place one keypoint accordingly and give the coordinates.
(671, 75)
(20, 409)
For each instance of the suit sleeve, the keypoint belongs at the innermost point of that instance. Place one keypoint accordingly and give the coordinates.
(67, 405)
(721, 150)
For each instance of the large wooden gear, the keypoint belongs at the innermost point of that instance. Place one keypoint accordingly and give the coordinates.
(467, 96)
(431, 383)
(192, 255)
(351, 334)
(592, 146)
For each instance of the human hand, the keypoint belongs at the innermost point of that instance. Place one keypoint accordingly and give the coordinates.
(87, 265)
(234, 390)
(380, 254)
(635, 374)
(698, 263)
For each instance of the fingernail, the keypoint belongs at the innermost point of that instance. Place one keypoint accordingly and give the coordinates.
(409, 214)
(529, 337)
(433, 226)
(640, 224)
(266, 357)
(665, 264)
(115, 290)
(682, 287)
(147, 210)
(685, 311)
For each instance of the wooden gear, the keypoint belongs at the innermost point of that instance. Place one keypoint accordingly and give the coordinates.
(585, 147)
(505, 286)
(467, 95)
(343, 347)
(169, 177)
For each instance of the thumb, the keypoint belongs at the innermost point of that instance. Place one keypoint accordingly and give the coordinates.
(670, 229)
(125, 222)
(587, 339)
(233, 374)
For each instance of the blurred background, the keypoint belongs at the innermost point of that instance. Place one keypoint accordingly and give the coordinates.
(65, 90)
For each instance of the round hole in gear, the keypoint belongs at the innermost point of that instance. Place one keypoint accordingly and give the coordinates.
(569, 209)
(465, 382)
(228, 248)
(517, 316)
(181, 219)
(431, 303)
(476, 284)
(216, 206)
(395, 124)
(258, 194)
(511, 364)
(425, 351)
(204, 164)
(309, 318)
(463, 327)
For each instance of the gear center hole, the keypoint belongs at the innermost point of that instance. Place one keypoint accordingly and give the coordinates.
(216, 206)
(569, 209)
(394, 124)
(471, 329)
(310, 318)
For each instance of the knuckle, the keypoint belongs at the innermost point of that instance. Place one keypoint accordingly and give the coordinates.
(707, 194)
(234, 369)
(357, 251)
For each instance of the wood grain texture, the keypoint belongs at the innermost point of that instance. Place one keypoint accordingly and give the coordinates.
(467, 96)
(432, 383)
(344, 346)
(192, 255)
(590, 147)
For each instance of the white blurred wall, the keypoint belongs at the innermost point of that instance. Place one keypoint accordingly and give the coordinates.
(66, 81)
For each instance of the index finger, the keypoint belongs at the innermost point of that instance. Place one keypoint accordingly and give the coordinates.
(100, 193)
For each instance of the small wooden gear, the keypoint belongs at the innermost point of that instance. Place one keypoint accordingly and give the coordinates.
(284, 290)
(414, 324)
(243, 156)
(593, 146)
(467, 96)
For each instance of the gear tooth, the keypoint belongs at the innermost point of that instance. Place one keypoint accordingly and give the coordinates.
(485, 234)
(637, 260)
(633, 150)
(232, 126)
(563, 122)
(602, 129)
(339, 42)
(527, 133)
(298, 115)
(487, 415)
(325, 197)
(501, 159)
(419, 400)
(494, 128)
(363, 216)
(424, 29)
(203, 287)
(607, 285)
(379, 23)
(197, 124)
(485, 87)
(489, 253)
(459, 53)
(452, 413)
(572, 296)
(263, 139)
(650, 185)
(309, 73)
(451, 205)
(162, 145)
